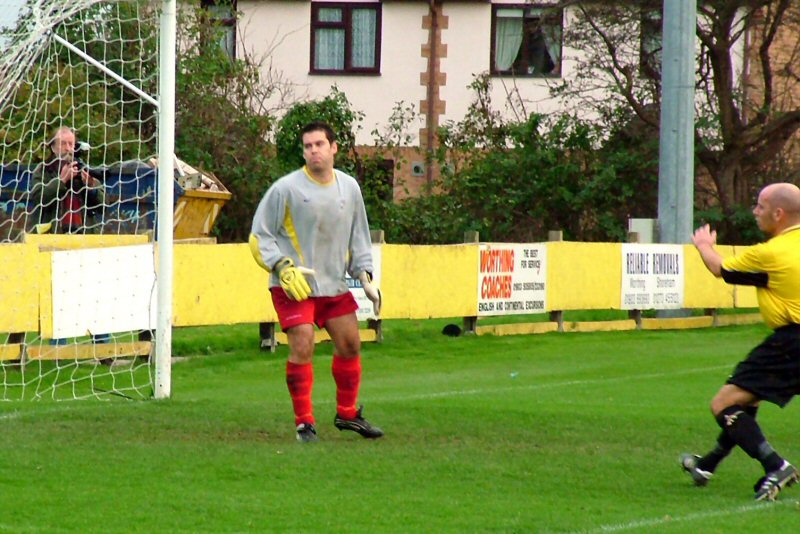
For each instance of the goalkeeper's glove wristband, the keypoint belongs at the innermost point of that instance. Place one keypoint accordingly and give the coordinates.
(372, 292)
(292, 280)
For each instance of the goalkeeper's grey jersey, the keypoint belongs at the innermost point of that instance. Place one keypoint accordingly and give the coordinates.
(320, 226)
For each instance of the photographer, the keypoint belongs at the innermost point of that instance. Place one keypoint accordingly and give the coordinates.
(65, 193)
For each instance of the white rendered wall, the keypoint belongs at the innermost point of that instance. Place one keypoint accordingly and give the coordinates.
(468, 40)
(281, 29)
(284, 28)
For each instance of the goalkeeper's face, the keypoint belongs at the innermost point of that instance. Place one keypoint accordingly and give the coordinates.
(318, 152)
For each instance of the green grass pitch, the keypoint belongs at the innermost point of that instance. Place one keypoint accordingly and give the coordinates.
(553, 433)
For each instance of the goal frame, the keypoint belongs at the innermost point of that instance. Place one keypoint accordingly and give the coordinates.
(38, 24)
(164, 230)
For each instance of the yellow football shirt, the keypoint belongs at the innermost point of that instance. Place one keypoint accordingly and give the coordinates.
(774, 268)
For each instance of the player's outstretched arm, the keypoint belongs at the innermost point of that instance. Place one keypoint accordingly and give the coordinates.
(704, 240)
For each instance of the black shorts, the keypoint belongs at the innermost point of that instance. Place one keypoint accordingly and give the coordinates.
(771, 371)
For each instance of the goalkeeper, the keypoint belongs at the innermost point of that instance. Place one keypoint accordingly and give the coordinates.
(308, 231)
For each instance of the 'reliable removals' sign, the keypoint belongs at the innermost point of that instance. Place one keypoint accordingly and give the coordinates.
(652, 277)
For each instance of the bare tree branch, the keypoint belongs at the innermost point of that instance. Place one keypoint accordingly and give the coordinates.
(748, 87)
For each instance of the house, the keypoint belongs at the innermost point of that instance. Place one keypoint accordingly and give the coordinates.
(421, 52)
(426, 53)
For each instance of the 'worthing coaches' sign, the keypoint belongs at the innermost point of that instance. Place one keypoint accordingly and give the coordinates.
(652, 277)
(511, 279)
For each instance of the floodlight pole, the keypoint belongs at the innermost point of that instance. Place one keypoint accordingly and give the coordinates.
(676, 148)
(165, 216)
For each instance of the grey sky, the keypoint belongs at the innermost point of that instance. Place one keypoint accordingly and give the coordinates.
(9, 11)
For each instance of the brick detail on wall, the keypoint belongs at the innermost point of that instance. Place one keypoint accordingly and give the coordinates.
(434, 69)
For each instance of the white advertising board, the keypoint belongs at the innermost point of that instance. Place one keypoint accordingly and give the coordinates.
(652, 277)
(103, 290)
(512, 279)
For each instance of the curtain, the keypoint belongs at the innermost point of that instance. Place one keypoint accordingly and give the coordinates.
(552, 41)
(364, 33)
(508, 38)
(329, 14)
(228, 41)
(329, 49)
(329, 42)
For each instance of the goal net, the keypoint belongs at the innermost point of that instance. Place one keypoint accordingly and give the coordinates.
(78, 141)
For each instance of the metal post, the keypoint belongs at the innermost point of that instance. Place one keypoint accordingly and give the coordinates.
(676, 151)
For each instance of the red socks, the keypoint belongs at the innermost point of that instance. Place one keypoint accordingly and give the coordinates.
(300, 380)
(347, 374)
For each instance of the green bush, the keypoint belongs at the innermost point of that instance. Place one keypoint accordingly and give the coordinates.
(217, 128)
(735, 228)
(515, 180)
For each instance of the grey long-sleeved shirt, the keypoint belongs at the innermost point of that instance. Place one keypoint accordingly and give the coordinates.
(320, 226)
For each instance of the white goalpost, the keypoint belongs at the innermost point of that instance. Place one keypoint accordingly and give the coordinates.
(166, 149)
(87, 113)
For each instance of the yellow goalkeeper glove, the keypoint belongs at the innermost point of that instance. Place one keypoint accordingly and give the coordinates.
(372, 292)
(292, 280)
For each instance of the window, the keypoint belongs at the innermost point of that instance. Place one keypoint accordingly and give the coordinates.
(345, 38)
(526, 40)
(650, 44)
(222, 15)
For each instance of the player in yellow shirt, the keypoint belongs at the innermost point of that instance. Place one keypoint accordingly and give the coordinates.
(771, 371)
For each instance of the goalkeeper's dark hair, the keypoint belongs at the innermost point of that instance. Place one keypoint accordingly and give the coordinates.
(319, 126)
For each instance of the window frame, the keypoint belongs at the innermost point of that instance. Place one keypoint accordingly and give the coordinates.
(556, 17)
(226, 23)
(347, 25)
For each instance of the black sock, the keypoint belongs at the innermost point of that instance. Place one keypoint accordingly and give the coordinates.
(742, 428)
(723, 448)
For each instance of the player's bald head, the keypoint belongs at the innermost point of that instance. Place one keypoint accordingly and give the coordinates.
(785, 196)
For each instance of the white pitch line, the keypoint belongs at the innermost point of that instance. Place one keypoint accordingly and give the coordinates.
(29, 528)
(67, 406)
(33, 413)
(457, 392)
(667, 519)
(567, 383)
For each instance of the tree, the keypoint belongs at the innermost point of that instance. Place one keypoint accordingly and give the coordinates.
(513, 180)
(58, 87)
(222, 124)
(745, 122)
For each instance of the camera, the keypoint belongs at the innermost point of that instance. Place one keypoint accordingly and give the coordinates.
(81, 150)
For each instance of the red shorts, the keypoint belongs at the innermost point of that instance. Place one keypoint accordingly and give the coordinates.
(315, 310)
